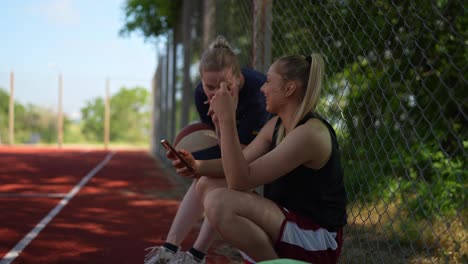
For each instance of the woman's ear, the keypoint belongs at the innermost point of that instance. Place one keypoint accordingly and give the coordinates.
(291, 87)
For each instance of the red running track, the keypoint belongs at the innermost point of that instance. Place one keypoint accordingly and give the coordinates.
(126, 203)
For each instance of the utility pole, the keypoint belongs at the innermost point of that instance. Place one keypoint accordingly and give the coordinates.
(107, 117)
(60, 112)
(11, 112)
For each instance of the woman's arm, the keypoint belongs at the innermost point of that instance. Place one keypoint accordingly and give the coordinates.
(214, 168)
(211, 168)
(234, 163)
(308, 144)
(261, 143)
(222, 111)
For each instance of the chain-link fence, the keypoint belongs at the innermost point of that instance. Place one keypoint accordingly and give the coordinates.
(396, 93)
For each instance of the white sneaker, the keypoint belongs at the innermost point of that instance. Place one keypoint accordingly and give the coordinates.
(185, 258)
(158, 255)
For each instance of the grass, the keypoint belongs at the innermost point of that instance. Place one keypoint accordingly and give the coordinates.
(384, 233)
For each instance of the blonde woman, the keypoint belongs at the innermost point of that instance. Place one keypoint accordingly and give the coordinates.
(218, 64)
(295, 156)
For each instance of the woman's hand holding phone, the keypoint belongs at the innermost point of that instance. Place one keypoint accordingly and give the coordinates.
(182, 160)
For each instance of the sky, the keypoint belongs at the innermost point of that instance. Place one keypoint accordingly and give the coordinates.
(79, 39)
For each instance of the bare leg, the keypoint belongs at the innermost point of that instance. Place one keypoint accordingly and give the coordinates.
(248, 221)
(205, 237)
(207, 233)
(189, 211)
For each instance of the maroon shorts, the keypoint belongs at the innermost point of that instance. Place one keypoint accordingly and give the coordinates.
(302, 239)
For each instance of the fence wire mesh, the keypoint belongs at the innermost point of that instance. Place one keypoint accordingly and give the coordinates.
(395, 91)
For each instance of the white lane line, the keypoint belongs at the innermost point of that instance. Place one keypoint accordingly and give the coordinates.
(14, 253)
(32, 195)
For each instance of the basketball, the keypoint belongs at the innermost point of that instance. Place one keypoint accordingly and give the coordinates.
(196, 137)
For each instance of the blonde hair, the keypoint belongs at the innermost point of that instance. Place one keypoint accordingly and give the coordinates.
(308, 72)
(218, 57)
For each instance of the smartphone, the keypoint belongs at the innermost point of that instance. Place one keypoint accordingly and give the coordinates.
(170, 148)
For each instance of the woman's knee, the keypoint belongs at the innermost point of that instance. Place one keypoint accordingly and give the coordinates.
(202, 185)
(216, 209)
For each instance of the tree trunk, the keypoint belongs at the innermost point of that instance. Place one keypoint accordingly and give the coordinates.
(187, 43)
(261, 34)
(155, 114)
(209, 11)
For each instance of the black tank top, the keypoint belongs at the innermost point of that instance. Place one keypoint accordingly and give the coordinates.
(318, 194)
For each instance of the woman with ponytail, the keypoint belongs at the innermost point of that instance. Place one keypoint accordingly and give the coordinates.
(297, 159)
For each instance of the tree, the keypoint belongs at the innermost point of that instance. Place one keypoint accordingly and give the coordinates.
(4, 103)
(163, 18)
(396, 79)
(152, 18)
(129, 116)
(32, 122)
(35, 124)
(93, 120)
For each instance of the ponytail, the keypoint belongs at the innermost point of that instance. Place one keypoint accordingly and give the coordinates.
(309, 73)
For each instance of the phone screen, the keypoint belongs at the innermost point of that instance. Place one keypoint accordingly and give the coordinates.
(170, 148)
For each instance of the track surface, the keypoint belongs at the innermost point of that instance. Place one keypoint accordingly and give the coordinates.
(82, 206)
